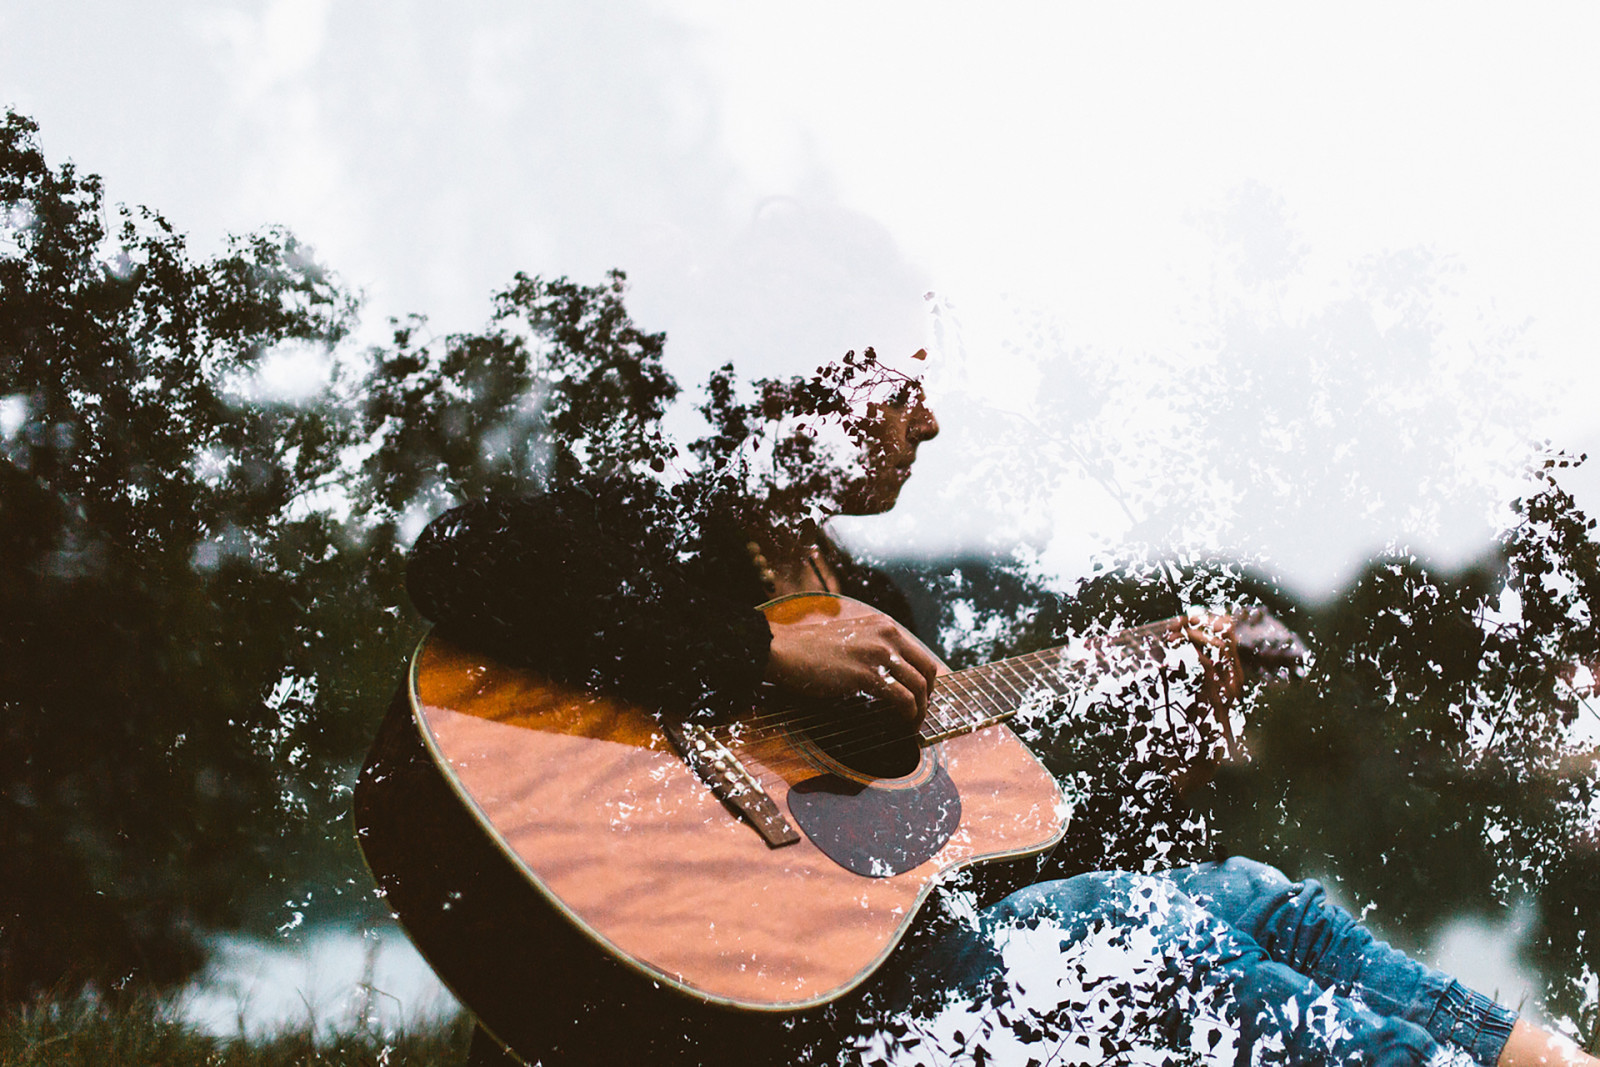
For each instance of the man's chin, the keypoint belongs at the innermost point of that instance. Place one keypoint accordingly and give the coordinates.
(870, 502)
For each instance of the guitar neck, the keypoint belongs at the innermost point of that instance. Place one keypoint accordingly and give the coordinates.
(970, 699)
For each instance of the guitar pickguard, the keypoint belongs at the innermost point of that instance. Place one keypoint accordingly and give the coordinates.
(874, 831)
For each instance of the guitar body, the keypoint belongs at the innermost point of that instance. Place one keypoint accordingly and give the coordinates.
(516, 826)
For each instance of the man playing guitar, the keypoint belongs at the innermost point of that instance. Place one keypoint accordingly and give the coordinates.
(647, 592)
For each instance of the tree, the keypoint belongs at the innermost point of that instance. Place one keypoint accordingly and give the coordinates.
(1427, 764)
(156, 515)
(201, 611)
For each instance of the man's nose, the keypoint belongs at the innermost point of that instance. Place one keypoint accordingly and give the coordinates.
(924, 426)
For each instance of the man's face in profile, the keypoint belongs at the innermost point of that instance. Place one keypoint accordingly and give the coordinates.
(841, 442)
(887, 434)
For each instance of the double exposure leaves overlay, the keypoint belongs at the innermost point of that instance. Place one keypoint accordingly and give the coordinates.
(153, 580)
(1439, 759)
(201, 606)
(205, 488)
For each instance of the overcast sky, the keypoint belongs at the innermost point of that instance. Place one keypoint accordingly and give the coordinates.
(1233, 276)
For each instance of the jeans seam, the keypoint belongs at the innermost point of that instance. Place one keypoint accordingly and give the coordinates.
(1471, 1021)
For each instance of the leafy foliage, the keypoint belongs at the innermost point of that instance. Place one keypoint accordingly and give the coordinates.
(797, 439)
(1427, 763)
(561, 384)
(200, 578)
(152, 580)
(200, 590)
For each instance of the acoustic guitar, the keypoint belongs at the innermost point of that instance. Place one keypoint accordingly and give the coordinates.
(734, 875)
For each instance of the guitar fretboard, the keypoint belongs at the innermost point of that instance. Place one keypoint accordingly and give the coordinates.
(971, 699)
(976, 697)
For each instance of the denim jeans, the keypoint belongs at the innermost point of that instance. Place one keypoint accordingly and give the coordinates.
(1221, 962)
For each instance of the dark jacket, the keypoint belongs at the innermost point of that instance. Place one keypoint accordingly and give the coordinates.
(615, 587)
(618, 586)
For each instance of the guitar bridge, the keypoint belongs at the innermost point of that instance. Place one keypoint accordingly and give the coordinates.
(730, 782)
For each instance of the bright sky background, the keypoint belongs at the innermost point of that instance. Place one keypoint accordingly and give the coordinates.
(1264, 277)
(1287, 279)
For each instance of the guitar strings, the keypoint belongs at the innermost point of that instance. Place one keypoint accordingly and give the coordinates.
(966, 704)
(965, 684)
(964, 695)
(810, 718)
(867, 735)
(864, 735)
(965, 698)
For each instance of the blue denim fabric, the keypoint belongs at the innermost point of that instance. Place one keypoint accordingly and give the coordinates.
(1303, 982)
(1297, 926)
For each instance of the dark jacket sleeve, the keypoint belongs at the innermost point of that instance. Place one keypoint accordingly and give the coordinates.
(590, 595)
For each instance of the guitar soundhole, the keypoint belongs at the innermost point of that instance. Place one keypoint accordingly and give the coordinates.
(867, 744)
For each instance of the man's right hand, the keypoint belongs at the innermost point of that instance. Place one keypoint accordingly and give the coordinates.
(839, 657)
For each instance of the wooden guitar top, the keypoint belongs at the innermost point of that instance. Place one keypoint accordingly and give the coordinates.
(590, 800)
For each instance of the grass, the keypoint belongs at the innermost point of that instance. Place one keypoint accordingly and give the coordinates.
(137, 1031)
